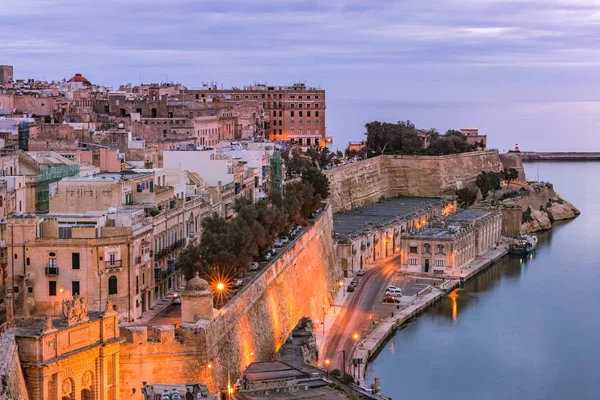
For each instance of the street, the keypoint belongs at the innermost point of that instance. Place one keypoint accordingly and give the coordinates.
(357, 315)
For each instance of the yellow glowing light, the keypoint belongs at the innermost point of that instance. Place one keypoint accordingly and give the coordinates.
(61, 290)
(327, 361)
(341, 283)
(355, 336)
(251, 353)
(424, 221)
(209, 366)
(220, 286)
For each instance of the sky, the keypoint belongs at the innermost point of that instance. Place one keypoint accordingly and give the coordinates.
(369, 55)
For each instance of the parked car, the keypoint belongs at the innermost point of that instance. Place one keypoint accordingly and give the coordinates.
(360, 272)
(350, 288)
(354, 282)
(393, 293)
(285, 240)
(176, 298)
(392, 287)
(254, 266)
(278, 243)
(267, 256)
(273, 251)
(391, 299)
(238, 283)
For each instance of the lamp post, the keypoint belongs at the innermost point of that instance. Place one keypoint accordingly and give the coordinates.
(327, 362)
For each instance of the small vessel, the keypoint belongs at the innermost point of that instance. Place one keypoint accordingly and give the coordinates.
(523, 244)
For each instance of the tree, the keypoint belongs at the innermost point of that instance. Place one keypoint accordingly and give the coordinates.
(299, 202)
(320, 157)
(488, 181)
(510, 175)
(319, 182)
(466, 197)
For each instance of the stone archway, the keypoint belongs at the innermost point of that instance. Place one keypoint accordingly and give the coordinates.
(86, 386)
(68, 389)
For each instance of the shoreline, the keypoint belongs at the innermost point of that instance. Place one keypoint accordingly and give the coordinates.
(376, 340)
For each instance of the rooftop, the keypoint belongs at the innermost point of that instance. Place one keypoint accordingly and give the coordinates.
(466, 215)
(434, 232)
(381, 213)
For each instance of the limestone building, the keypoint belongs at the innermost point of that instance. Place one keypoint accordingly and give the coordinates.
(452, 243)
(6, 74)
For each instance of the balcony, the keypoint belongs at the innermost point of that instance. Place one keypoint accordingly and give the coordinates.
(157, 274)
(138, 260)
(113, 264)
(169, 249)
(51, 271)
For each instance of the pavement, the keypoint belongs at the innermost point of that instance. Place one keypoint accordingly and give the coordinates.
(151, 317)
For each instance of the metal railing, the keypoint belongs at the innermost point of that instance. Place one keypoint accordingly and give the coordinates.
(113, 264)
(51, 271)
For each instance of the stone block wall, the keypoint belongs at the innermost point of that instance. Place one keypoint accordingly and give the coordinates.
(354, 185)
(12, 381)
(251, 327)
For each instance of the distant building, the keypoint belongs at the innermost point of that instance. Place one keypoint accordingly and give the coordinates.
(474, 138)
(6, 74)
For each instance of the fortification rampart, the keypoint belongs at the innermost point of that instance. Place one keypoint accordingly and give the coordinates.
(252, 326)
(12, 381)
(357, 184)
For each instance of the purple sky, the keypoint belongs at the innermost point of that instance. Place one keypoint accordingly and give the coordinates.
(362, 52)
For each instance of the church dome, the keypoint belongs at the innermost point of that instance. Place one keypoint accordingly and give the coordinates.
(80, 78)
(196, 284)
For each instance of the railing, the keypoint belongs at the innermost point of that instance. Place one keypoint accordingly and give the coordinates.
(113, 264)
(157, 274)
(168, 250)
(51, 271)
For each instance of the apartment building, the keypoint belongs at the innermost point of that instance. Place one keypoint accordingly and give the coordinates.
(294, 113)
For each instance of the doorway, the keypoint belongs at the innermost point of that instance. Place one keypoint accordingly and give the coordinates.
(427, 265)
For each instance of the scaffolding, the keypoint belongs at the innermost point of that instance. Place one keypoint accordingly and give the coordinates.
(46, 177)
(275, 174)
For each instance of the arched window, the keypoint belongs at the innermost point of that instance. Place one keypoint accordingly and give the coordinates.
(427, 248)
(112, 285)
(440, 249)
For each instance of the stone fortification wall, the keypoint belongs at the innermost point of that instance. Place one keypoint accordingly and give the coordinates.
(12, 381)
(252, 326)
(357, 184)
(512, 160)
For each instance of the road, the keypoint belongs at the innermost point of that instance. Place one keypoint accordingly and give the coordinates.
(170, 316)
(357, 314)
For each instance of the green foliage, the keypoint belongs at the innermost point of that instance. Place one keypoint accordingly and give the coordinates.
(465, 197)
(347, 378)
(154, 212)
(320, 157)
(294, 161)
(526, 217)
(404, 138)
(488, 181)
(510, 174)
(336, 373)
(315, 178)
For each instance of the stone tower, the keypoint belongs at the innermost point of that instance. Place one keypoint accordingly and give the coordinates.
(196, 301)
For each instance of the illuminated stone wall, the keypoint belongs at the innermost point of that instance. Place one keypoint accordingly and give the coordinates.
(354, 185)
(252, 327)
(12, 382)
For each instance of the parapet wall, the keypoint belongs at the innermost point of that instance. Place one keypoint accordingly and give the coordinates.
(252, 326)
(354, 185)
(12, 381)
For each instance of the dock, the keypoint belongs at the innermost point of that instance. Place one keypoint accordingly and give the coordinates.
(558, 156)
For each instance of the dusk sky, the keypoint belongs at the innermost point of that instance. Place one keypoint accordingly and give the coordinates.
(364, 53)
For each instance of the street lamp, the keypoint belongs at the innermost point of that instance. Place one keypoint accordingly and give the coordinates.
(355, 337)
(220, 286)
(327, 362)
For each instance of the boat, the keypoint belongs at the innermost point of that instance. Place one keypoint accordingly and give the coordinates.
(523, 244)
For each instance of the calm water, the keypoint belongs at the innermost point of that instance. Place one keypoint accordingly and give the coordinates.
(521, 330)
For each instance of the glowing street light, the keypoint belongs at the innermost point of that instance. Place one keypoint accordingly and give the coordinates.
(355, 337)
(220, 286)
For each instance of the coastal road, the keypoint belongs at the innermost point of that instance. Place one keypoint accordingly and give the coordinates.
(367, 295)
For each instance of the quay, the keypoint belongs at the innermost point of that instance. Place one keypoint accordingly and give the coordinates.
(559, 156)
(372, 344)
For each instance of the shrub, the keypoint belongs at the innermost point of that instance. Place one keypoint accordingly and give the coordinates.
(336, 373)
(526, 217)
(347, 378)
(154, 212)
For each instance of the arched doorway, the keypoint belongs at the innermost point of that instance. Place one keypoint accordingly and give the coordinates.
(68, 389)
(86, 386)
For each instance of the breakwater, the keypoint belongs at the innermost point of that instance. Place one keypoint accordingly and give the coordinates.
(559, 156)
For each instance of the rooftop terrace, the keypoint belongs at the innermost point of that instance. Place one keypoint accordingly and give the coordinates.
(379, 214)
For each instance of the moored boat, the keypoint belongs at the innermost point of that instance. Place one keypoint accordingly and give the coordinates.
(523, 244)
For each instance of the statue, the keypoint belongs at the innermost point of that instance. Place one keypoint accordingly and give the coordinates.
(75, 310)
(109, 310)
(48, 326)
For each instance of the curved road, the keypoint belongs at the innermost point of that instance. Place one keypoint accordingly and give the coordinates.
(356, 314)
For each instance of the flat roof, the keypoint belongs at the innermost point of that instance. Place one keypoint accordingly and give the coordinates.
(433, 232)
(381, 213)
(466, 215)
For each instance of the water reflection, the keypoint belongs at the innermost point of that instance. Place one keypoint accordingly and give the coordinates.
(452, 296)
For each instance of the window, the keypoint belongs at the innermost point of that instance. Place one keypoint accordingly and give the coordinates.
(280, 114)
(308, 122)
(316, 131)
(317, 114)
(308, 105)
(75, 288)
(413, 249)
(137, 284)
(52, 262)
(427, 248)
(291, 115)
(307, 97)
(316, 105)
(75, 260)
(292, 122)
(292, 132)
(112, 285)
(308, 113)
(300, 122)
(440, 249)
(280, 122)
(28, 261)
(300, 114)
(281, 131)
(52, 288)
(316, 122)
(299, 105)
(292, 105)
(413, 261)
(308, 131)
(112, 257)
(439, 263)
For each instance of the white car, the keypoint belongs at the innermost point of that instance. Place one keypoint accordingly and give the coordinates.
(278, 243)
(285, 240)
(267, 256)
(176, 298)
(393, 293)
(360, 272)
(392, 287)
(254, 266)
